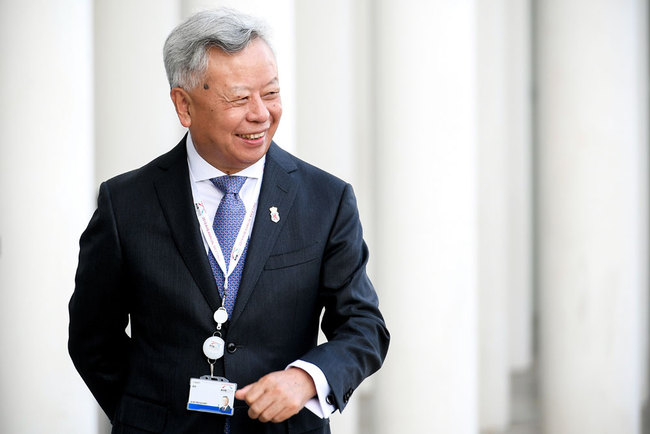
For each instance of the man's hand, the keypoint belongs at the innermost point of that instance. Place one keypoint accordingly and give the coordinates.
(279, 395)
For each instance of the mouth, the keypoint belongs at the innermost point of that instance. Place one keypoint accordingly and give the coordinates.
(252, 136)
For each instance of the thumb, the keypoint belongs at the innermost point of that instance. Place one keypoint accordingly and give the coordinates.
(241, 393)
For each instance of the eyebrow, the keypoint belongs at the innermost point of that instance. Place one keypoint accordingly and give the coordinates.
(237, 89)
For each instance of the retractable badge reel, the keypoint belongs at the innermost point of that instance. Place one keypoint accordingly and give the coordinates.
(214, 345)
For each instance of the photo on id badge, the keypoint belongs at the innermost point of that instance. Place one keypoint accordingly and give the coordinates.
(227, 398)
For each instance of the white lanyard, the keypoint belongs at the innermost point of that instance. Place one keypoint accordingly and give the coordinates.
(215, 248)
(211, 238)
(214, 345)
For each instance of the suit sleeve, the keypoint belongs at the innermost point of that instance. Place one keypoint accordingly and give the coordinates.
(98, 343)
(357, 335)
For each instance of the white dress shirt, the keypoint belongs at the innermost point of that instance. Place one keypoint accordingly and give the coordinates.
(204, 190)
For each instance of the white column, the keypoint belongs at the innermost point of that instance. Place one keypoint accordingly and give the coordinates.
(334, 95)
(493, 217)
(279, 15)
(426, 248)
(135, 120)
(325, 82)
(592, 157)
(333, 130)
(519, 189)
(46, 187)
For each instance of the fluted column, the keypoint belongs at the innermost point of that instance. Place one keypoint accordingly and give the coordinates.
(494, 220)
(135, 120)
(592, 220)
(46, 188)
(519, 189)
(426, 208)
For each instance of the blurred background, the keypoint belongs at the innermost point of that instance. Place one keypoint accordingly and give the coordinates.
(499, 152)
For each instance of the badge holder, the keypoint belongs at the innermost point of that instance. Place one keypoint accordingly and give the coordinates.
(211, 394)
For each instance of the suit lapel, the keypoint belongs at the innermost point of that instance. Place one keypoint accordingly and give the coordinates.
(278, 190)
(175, 196)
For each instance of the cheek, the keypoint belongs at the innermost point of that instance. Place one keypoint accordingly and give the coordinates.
(227, 122)
(276, 110)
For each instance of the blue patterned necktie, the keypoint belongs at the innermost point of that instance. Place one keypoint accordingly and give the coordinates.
(227, 222)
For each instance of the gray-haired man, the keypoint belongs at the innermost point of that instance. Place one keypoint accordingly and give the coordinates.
(224, 252)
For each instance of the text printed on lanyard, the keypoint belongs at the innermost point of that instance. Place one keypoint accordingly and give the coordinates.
(215, 248)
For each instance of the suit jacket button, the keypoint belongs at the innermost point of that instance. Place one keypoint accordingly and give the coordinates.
(231, 347)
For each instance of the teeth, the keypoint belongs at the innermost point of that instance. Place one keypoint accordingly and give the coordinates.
(251, 136)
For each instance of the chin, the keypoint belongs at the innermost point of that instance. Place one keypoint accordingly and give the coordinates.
(258, 152)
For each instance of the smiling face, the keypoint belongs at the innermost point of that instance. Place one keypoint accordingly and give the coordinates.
(235, 111)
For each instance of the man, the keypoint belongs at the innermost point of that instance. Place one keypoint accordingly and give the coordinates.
(229, 243)
(225, 404)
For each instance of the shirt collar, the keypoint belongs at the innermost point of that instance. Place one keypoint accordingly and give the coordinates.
(202, 170)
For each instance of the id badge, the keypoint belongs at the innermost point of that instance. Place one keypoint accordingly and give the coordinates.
(212, 396)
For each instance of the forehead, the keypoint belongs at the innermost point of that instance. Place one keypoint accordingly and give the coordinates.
(255, 65)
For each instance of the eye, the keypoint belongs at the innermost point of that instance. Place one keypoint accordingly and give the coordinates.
(272, 94)
(239, 100)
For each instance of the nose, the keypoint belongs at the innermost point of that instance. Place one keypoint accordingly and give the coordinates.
(258, 112)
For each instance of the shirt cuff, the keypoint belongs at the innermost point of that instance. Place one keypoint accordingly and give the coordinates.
(317, 405)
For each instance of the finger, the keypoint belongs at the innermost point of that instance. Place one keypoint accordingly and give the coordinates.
(251, 393)
(259, 397)
(263, 386)
(270, 412)
(285, 414)
(275, 405)
(260, 405)
(241, 393)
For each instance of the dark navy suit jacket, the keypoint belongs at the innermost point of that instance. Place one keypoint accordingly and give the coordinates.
(142, 257)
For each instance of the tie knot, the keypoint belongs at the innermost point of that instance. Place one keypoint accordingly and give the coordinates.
(229, 184)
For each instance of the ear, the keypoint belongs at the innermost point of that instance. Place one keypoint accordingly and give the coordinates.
(182, 101)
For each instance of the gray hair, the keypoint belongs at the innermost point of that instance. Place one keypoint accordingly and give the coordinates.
(187, 46)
